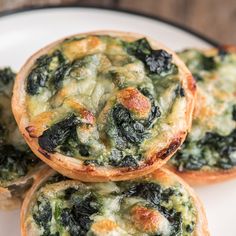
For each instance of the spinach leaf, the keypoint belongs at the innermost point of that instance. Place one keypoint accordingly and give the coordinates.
(208, 63)
(234, 112)
(42, 72)
(57, 134)
(117, 158)
(60, 74)
(42, 215)
(223, 148)
(156, 61)
(130, 130)
(14, 162)
(77, 219)
(6, 76)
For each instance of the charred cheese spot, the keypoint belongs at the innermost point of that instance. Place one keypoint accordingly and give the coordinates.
(145, 219)
(86, 116)
(135, 101)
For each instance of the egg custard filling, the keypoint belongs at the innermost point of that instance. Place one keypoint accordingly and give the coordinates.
(106, 101)
(211, 143)
(16, 159)
(141, 207)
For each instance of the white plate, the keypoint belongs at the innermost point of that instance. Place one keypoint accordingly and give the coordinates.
(23, 33)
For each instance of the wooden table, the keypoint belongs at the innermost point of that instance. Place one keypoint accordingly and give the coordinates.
(213, 18)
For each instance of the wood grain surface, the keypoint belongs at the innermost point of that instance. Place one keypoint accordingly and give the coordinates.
(213, 18)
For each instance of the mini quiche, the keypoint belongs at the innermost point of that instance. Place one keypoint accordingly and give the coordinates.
(158, 204)
(17, 162)
(104, 105)
(209, 153)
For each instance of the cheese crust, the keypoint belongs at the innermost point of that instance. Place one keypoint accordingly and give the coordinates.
(208, 155)
(139, 207)
(99, 82)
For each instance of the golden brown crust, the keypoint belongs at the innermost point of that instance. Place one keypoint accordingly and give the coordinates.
(72, 167)
(10, 199)
(162, 175)
(204, 177)
(213, 176)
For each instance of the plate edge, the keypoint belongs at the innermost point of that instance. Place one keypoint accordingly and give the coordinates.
(208, 40)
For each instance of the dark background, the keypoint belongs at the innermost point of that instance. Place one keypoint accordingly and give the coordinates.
(215, 19)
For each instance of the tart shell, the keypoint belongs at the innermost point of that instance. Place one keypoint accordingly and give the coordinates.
(72, 167)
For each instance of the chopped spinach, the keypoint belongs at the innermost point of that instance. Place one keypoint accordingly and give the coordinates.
(155, 111)
(224, 145)
(117, 158)
(58, 133)
(223, 148)
(208, 63)
(149, 191)
(6, 76)
(60, 74)
(83, 150)
(234, 112)
(15, 163)
(128, 129)
(157, 61)
(42, 215)
(3, 133)
(42, 72)
(127, 133)
(201, 62)
(77, 219)
(140, 48)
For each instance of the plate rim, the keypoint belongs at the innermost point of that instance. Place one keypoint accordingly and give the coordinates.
(186, 29)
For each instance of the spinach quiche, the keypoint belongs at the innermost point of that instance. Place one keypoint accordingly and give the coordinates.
(104, 106)
(209, 153)
(158, 204)
(17, 162)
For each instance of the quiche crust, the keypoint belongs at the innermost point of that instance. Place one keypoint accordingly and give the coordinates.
(204, 177)
(158, 153)
(105, 225)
